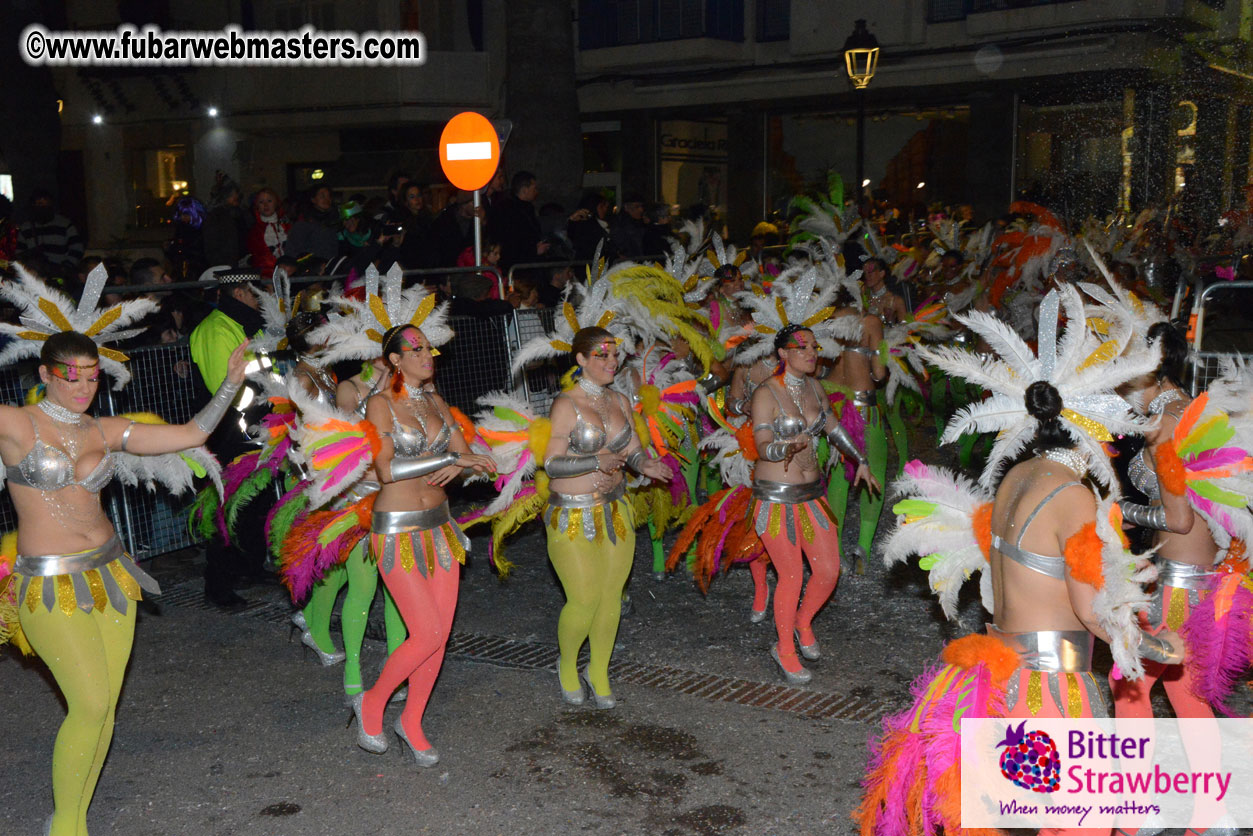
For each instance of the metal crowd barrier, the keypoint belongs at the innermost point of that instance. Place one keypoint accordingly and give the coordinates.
(150, 523)
(1221, 327)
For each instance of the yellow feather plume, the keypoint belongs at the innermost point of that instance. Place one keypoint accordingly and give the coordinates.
(537, 436)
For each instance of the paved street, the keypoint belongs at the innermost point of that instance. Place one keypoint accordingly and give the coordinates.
(227, 727)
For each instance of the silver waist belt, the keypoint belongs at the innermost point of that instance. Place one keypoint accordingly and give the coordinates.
(787, 492)
(1182, 575)
(400, 522)
(1051, 651)
(47, 565)
(586, 500)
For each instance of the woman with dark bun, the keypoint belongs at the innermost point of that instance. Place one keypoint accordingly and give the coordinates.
(790, 412)
(1050, 546)
(413, 536)
(588, 520)
(1186, 551)
(72, 585)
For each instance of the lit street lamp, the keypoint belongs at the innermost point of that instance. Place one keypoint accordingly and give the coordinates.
(861, 57)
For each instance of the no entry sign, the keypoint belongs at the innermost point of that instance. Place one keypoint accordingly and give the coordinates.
(469, 151)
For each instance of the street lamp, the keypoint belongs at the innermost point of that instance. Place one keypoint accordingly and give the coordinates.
(861, 58)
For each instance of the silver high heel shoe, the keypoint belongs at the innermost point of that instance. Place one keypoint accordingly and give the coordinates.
(758, 616)
(298, 619)
(810, 651)
(400, 696)
(792, 678)
(427, 757)
(376, 743)
(598, 701)
(327, 659)
(570, 697)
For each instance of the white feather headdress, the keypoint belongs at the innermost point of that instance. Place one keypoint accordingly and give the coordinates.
(797, 297)
(355, 331)
(45, 311)
(1083, 372)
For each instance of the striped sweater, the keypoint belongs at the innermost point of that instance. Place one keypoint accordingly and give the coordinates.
(58, 240)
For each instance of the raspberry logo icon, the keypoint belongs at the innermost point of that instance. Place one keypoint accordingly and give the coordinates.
(1030, 759)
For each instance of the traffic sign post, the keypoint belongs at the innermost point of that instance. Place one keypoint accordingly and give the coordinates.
(469, 152)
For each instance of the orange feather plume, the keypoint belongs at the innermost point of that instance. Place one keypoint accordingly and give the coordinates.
(1083, 556)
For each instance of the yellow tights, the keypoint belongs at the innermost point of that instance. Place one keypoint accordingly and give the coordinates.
(87, 654)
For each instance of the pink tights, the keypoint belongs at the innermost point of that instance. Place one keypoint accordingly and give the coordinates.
(427, 606)
(823, 554)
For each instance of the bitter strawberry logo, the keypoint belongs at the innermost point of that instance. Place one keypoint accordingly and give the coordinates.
(1030, 759)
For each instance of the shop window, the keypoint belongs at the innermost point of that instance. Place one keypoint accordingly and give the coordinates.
(159, 177)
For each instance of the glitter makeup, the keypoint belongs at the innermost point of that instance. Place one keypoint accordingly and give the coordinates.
(74, 372)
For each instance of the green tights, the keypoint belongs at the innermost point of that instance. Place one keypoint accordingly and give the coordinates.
(361, 575)
(87, 654)
(593, 576)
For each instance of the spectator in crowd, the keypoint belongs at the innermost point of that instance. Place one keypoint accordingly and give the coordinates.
(524, 295)
(118, 275)
(491, 258)
(627, 228)
(225, 227)
(415, 238)
(657, 232)
(515, 223)
(268, 237)
(51, 235)
(8, 233)
(552, 225)
(316, 229)
(472, 297)
(453, 230)
(395, 196)
(236, 319)
(589, 227)
(550, 292)
(356, 235)
(186, 249)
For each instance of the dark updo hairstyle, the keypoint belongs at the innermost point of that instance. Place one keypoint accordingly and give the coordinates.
(1174, 352)
(66, 346)
(587, 339)
(299, 327)
(726, 272)
(1044, 403)
(785, 333)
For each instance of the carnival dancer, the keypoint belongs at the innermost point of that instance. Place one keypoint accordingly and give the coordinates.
(413, 536)
(71, 584)
(789, 413)
(590, 525)
(1056, 573)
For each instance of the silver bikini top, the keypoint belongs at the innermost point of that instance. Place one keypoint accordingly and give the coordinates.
(1046, 564)
(323, 386)
(586, 438)
(408, 442)
(787, 427)
(48, 468)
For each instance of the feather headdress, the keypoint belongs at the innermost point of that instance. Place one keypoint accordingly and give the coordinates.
(596, 307)
(277, 310)
(721, 253)
(45, 311)
(1082, 371)
(797, 297)
(1140, 314)
(355, 331)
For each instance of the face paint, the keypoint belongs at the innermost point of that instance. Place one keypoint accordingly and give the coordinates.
(74, 372)
(798, 340)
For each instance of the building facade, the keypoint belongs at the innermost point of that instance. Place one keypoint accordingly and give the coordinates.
(1089, 106)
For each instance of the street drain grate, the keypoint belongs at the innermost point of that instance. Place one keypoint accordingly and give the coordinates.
(530, 655)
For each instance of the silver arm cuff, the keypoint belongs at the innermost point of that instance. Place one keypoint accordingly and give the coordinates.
(567, 467)
(1146, 516)
(737, 406)
(710, 383)
(126, 436)
(842, 441)
(775, 451)
(636, 460)
(1155, 649)
(411, 467)
(215, 410)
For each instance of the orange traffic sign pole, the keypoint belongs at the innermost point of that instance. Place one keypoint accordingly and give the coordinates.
(469, 152)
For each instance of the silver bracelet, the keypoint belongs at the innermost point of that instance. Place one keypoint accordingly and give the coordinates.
(636, 460)
(1146, 516)
(215, 410)
(775, 451)
(567, 467)
(411, 467)
(842, 441)
(126, 436)
(710, 383)
(737, 406)
(1155, 649)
